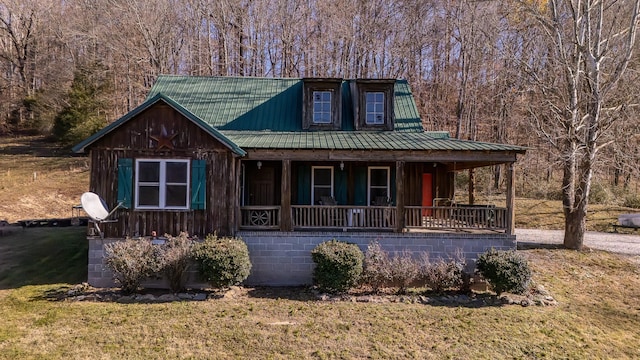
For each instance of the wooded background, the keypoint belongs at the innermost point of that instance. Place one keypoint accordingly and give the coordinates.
(482, 70)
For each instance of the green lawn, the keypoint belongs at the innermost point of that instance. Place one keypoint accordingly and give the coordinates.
(598, 316)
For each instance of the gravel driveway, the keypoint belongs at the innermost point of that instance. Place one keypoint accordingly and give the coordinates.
(618, 243)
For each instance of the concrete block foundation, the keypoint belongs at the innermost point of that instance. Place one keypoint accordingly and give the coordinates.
(284, 258)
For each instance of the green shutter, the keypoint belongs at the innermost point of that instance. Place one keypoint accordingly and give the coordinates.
(304, 185)
(340, 179)
(360, 183)
(198, 184)
(125, 179)
(392, 188)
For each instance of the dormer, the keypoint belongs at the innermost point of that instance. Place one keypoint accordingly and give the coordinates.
(373, 104)
(322, 105)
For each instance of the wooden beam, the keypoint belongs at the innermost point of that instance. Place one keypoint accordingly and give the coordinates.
(482, 158)
(285, 197)
(511, 195)
(399, 196)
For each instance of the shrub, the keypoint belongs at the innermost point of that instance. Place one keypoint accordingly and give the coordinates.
(442, 274)
(131, 262)
(599, 194)
(632, 201)
(175, 257)
(376, 267)
(338, 265)
(404, 271)
(222, 262)
(505, 271)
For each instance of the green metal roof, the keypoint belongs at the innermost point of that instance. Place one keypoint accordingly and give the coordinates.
(266, 113)
(252, 103)
(360, 140)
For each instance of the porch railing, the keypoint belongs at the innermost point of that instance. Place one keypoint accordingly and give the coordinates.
(456, 217)
(260, 217)
(343, 217)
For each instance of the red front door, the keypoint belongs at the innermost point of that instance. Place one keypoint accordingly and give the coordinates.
(427, 193)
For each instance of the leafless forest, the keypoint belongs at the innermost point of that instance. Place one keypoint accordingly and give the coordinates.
(559, 76)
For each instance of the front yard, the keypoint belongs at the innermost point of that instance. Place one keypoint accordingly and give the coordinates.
(598, 316)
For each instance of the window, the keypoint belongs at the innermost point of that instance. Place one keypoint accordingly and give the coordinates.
(322, 107)
(162, 184)
(321, 183)
(373, 104)
(374, 108)
(322, 99)
(379, 179)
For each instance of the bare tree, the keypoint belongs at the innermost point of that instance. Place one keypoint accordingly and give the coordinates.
(588, 48)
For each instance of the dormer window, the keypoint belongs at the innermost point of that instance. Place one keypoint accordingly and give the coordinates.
(373, 104)
(374, 108)
(321, 108)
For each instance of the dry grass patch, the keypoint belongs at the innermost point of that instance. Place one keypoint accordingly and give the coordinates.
(38, 179)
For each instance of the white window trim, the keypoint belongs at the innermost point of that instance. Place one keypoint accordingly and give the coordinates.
(313, 104)
(366, 112)
(313, 180)
(163, 185)
(388, 168)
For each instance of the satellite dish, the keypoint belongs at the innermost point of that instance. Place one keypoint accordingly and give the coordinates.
(97, 210)
(94, 206)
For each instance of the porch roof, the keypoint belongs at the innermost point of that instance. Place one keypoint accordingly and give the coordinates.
(361, 140)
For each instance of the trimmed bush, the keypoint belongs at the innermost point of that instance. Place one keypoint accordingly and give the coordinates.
(338, 265)
(376, 268)
(506, 271)
(222, 262)
(175, 256)
(131, 262)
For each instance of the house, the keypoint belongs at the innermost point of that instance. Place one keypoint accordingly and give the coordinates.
(288, 163)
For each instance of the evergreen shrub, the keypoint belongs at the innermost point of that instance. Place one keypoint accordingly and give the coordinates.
(222, 262)
(338, 267)
(505, 271)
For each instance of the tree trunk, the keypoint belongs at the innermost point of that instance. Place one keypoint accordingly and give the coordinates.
(575, 225)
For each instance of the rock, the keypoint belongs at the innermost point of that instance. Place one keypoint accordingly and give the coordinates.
(125, 300)
(200, 297)
(185, 296)
(168, 298)
(145, 298)
(525, 302)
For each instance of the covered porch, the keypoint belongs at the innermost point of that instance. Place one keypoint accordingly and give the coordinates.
(363, 192)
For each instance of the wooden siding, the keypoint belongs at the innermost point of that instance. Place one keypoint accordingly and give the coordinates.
(443, 185)
(134, 140)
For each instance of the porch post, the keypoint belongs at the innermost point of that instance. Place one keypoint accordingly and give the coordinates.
(511, 195)
(285, 197)
(399, 196)
(237, 165)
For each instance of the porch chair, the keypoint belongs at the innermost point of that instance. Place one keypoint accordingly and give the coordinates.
(386, 220)
(332, 214)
